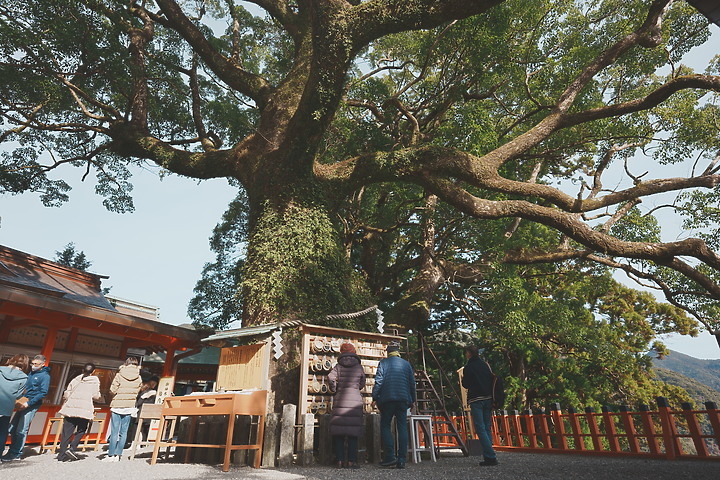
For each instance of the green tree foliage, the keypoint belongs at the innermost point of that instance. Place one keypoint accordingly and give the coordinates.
(71, 257)
(385, 149)
(566, 335)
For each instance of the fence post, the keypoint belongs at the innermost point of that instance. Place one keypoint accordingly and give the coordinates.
(505, 428)
(373, 438)
(325, 443)
(610, 431)
(270, 442)
(306, 440)
(495, 434)
(530, 424)
(714, 416)
(694, 428)
(287, 435)
(544, 428)
(669, 431)
(575, 426)
(649, 429)
(517, 427)
(556, 413)
(629, 426)
(594, 430)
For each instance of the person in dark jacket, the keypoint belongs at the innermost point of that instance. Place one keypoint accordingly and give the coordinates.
(13, 378)
(478, 379)
(346, 379)
(147, 394)
(36, 387)
(394, 393)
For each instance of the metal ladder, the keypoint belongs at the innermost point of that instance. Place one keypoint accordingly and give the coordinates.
(432, 402)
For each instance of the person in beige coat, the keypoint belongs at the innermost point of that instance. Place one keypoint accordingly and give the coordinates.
(125, 388)
(77, 411)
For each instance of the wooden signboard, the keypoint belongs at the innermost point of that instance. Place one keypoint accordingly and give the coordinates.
(244, 367)
(470, 434)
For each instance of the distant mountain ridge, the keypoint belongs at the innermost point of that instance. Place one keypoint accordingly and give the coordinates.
(699, 392)
(700, 378)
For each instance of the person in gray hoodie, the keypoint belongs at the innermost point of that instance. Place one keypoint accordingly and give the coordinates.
(12, 385)
(36, 388)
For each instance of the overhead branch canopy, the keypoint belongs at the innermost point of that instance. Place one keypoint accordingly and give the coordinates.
(520, 116)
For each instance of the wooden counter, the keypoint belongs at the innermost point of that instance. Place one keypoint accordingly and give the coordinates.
(251, 403)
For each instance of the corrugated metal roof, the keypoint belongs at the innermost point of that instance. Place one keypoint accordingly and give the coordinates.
(208, 355)
(250, 331)
(709, 8)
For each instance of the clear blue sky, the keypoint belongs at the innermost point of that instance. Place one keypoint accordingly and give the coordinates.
(155, 255)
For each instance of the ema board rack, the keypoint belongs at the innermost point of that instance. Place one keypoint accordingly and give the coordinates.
(320, 351)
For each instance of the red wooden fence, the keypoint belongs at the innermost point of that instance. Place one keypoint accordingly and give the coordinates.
(663, 433)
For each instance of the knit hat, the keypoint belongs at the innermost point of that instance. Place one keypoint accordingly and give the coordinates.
(347, 348)
(393, 347)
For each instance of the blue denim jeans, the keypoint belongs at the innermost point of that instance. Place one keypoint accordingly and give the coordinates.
(118, 433)
(388, 410)
(19, 426)
(481, 412)
(352, 448)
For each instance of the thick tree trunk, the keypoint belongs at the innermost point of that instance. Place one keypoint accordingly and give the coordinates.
(518, 370)
(413, 309)
(296, 266)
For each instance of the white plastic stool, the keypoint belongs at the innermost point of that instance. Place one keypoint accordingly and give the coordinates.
(416, 421)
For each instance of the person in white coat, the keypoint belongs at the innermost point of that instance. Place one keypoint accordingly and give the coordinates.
(78, 411)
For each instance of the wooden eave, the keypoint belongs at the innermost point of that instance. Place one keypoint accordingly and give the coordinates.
(30, 307)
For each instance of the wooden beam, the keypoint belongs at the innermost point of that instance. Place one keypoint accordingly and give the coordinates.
(49, 345)
(30, 315)
(72, 339)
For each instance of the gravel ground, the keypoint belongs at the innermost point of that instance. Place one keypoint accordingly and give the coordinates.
(513, 466)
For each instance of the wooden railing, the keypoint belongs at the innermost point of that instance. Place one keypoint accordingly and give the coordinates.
(662, 433)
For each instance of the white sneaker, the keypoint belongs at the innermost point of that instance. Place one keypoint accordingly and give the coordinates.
(110, 458)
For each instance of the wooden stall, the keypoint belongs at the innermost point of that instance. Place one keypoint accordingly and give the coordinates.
(320, 349)
(291, 361)
(60, 312)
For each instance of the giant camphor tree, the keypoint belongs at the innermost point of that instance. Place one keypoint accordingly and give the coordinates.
(331, 114)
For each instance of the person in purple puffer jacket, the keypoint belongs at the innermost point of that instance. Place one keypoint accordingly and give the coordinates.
(346, 379)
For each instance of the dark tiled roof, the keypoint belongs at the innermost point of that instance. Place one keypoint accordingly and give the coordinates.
(28, 272)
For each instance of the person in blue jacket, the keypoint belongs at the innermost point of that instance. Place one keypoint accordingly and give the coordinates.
(394, 393)
(37, 386)
(12, 385)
